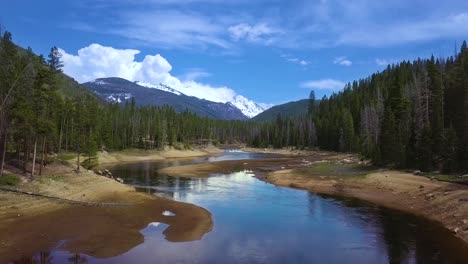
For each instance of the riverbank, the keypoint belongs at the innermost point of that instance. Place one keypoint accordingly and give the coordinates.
(136, 155)
(345, 175)
(444, 202)
(95, 215)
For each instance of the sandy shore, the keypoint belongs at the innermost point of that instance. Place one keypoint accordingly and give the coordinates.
(135, 155)
(341, 174)
(287, 151)
(288, 159)
(204, 170)
(29, 224)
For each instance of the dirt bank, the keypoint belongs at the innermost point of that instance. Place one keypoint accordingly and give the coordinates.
(287, 151)
(204, 170)
(134, 155)
(29, 224)
(260, 166)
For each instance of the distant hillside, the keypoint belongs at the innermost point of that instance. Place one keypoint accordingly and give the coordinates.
(67, 86)
(291, 109)
(118, 90)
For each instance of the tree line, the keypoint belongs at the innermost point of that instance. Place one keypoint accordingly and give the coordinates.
(411, 115)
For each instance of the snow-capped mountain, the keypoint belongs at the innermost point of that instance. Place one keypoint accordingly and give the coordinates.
(160, 86)
(248, 107)
(118, 90)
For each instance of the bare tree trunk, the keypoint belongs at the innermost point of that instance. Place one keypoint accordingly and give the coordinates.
(3, 145)
(34, 158)
(66, 136)
(61, 135)
(26, 156)
(4, 152)
(78, 158)
(42, 154)
(78, 163)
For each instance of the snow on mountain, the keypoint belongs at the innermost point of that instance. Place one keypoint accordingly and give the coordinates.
(248, 107)
(117, 97)
(160, 86)
(99, 82)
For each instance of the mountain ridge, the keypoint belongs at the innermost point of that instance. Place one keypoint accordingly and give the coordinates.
(248, 107)
(119, 90)
(289, 109)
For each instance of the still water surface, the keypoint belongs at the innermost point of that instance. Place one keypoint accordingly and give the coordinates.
(256, 222)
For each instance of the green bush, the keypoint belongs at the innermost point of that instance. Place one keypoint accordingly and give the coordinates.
(90, 163)
(9, 180)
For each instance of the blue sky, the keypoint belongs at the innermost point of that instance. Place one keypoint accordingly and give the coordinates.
(268, 51)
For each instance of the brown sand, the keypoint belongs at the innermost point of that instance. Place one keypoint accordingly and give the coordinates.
(30, 224)
(135, 155)
(284, 161)
(204, 170)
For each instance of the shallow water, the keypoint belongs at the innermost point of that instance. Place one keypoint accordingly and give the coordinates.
(256, 222)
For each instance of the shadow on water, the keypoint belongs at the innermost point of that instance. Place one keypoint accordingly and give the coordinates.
(256, 222)
(48, 258)
(407, 238)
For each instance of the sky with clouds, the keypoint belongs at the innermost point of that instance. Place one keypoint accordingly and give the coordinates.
(270, 51)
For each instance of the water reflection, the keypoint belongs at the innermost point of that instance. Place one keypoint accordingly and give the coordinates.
(256, 222)
(48, 258)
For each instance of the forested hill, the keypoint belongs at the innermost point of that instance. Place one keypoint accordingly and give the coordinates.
(290, 109)
(118, 90)
(411, 115)
(66, 86)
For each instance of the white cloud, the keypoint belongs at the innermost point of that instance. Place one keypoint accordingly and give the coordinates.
(342, 61)
(253, 33)
(449, 26)
(172, 29)
(194, 74)
(324, 84)
(295, 60)
(96, 61)
(298, 24)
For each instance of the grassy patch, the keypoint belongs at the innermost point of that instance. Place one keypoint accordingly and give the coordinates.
(333, 169)
(9, 180)
(237, 168)
(448, 178)
(51, 177)
(67, 156)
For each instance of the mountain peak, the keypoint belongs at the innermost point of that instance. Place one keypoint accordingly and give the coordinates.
(248, 107)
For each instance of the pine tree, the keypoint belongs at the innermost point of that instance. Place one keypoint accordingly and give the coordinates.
(55, 59)
(464, 64)
(436, 106)
(312, 103)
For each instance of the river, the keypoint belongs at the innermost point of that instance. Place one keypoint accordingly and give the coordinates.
(256, 222)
